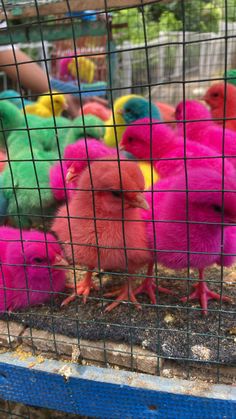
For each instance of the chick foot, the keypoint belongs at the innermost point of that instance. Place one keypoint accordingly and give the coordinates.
(124, 293)
(204, 294)
(82, 288)
(149, 287)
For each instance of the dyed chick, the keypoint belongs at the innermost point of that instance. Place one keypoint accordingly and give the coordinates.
(230, 75)
(171, 154)
(115, 125)
(97, 109)
(167, 112)
(47, 105)
(82, 68)
(31, 273)
(64, 174)
(26, 188)
(203, 130)
(134, 108)
(215, 97)
(138, 108)
(42, 132)
(76, 158)
(85, 126)
(14, 97)
(203, 237)
(111, 185)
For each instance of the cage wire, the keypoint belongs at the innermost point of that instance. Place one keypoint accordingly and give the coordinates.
(166, 52)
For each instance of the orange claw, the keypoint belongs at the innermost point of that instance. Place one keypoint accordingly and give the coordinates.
(82, 288)
(124, 293)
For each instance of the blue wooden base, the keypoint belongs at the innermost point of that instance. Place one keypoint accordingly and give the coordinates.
(108, 393)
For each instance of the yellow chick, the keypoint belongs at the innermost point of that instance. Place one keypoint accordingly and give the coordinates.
(43, 106)
(86, 68)
(110, 137)
(148, 171)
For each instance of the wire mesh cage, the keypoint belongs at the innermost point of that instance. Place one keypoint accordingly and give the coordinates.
(117, 187)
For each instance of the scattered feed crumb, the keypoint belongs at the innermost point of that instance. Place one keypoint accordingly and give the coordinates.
(169, 318)
(201, 352)
(65, 371)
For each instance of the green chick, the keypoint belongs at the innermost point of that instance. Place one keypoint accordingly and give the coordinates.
(26, 188)
(89, 126)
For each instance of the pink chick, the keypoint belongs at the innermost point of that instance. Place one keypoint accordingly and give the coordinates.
(168, 150)
(203, 238)
(63, 68)
(113, 184)
(97, 109)
(31, 274)
(76, 157)
(203, 130)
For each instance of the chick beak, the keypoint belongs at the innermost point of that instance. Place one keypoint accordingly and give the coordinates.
(121, 147)
(140, 202)
(60, 261)
(71, 175)
(120, 111)
(65, 106)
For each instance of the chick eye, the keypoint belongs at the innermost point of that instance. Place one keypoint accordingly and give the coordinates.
(215, 94)
(128, 110)
(217, 208)
(117, 194)
(38, 260)
(130, 139)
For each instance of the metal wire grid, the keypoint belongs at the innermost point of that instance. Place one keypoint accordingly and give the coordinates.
(147, 85)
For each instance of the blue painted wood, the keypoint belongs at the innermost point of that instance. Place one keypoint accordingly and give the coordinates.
(105, 393)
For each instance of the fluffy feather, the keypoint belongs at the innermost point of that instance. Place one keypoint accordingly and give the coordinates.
(75, 160)
(97, 109)
(43, 134)
(90, 126)
(216, 96)
(27, 190)
(167, 112)
(83, 67)
(138, 108)
(48, 105)
(203, 237)
(14, 97)
(168, 151)
(205, 131)
(107, 198)
(29, 262)
(115, 127)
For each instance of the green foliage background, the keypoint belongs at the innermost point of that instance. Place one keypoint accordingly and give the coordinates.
(196, 15)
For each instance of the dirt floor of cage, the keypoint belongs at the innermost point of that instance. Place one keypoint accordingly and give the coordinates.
(170, 339)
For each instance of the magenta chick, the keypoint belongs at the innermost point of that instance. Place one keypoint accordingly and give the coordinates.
(169, 151)
(202, 129)
(31, 271)
(203, 238)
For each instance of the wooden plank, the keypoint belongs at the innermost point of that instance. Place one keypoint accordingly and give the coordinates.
(109, 393)
(56, 8)
(31, 33)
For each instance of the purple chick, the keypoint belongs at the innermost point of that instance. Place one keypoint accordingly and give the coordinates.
(173, 240)
(32, 274)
